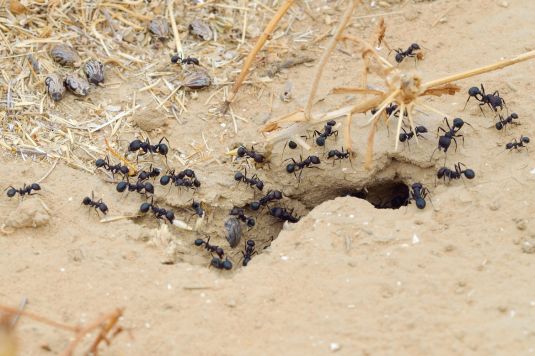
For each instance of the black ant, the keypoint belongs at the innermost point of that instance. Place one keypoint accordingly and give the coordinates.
(26, 189)
(298, 166)
(327, 131)
(244, 152)
(418, 194)
(517, 144)
(339, 155)
(211, 248)
(151, 173)
(160, 213)
(146, 147)
(508, 120)
(457, 173)
(98, 205)
(253, 181)
(283, 214)
(115, 168)
(494, 100)
(185, 178)
(220, 264)
(444, 141)
(401, 54)
(176, 58)
(406, 136)
(139, 186)
(238, 212)
(270, 196)
(249, 252)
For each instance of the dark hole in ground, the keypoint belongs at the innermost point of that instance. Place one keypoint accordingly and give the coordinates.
(385, 195)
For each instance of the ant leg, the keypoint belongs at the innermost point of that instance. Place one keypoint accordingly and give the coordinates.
(461, 137)
(455, 141)
(469, 97)
(430, 159)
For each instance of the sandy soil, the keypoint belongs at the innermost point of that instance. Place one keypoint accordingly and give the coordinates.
(455, 278)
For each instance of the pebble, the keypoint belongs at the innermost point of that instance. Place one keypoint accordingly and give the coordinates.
(528, 246)
(504, 4)
(495, 205)
(334, 346)
(521, 224)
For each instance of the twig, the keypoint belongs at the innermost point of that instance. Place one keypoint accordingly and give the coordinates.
(49, 171)
(175, 30)
(326, 53)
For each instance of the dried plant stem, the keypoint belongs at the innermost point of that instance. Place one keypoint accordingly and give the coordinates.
(41, 319)
(354, 90)
(326, 54)
(179, 49)
(398, 127)
(347, 133)
(259, 44)
(485, 69)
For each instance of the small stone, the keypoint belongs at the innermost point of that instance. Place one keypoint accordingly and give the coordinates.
(495, 205)
(521, 224)
(29, 213)
(528, 246)
(334, 346)
(504, 4)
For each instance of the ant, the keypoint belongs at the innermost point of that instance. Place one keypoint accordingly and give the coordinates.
(249, 252)
(253, 181)
(516, 144)
(115, 168)
(457, 173)
(401, 54)
(238, 212)
(418, 194)
(211, 248)
(185, 178)
(298, 166)
(339, 155)
(444, 141)
(146, 147)
(244, 152)
(139, 186)
(220, 264)
(270, 196)
(98, 205)
(160, 213)
(406, 136)
(283, 214)
(327, 131)
(188, 60)
(26, 189)
(494, 100)
(508, 120)
(151, 173)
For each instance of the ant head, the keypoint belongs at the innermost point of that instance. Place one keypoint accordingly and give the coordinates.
(86, 200)
(260, 185)
(149, 188)
(399, 57)
(320, 141)
(416, 186)
(250, 222)
(219, 252)
(164, 180)
(250, 243)
(469, 173)
(216, 262)
(292, 145)
(199, 242)
(124, 170)
(241, 151)
(420, 203)
(514, 115)
(196, 183)
(254, 205)
(421, 129)
(276, 194)
(236, 211)
(277, 211)
(145, 207)
(441, 172)
(163, 149)
(402, 137)
(170, 215)
(290, 168)
(314, 159)
(100, 163)
(121, 186)
(175, 58)
(525, 139)
(499, 126)
(189, 172)
(195, 204)
(373, 111)
(473, 91)
(135, 145)
(458, 122)
(11, 192)
(36, 186)
(103, 207)
(331, 123)
(414, 46)
(258, 158)
(332, 153)
(508, 146)
(227, 265)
